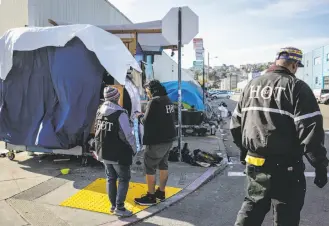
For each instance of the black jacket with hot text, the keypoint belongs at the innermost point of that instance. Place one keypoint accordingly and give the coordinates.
(110, 141)
(159, 121)
(278, 117)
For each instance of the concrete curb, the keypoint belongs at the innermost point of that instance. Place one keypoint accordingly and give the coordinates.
(149, 212)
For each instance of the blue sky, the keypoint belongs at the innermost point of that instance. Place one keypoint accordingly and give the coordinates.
(243, 31)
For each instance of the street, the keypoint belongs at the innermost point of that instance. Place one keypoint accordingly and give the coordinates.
(218, 202)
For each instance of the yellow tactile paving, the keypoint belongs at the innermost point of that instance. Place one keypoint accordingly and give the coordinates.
(94, 197)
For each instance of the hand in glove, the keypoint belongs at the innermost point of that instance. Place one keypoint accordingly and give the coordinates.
(321, 178)
(243, 154)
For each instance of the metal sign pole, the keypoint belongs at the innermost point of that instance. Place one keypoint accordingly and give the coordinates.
(180, 83)
(203, 85)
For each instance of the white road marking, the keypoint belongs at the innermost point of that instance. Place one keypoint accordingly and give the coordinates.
(241, 174)
(236, 174)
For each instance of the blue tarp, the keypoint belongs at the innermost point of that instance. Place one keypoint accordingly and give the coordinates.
(50, 96)
(191, 93)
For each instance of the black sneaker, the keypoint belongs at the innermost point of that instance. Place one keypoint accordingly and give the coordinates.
(146, 200)
(123, 212)
(161, 195)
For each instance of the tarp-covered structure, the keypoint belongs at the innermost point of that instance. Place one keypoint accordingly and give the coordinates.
(191, 94)
(51, 81)
(149, 36)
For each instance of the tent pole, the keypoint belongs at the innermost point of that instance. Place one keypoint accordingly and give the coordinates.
(180, 83)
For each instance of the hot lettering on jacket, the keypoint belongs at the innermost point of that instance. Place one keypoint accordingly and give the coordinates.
(266, 92)
(170, 109)
(104, 125)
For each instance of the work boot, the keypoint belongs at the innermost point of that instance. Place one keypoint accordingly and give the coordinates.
(146, 200)
(161, 195)
(112, 209)
(122, 212)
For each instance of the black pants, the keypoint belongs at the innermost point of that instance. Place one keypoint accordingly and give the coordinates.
(282, 187)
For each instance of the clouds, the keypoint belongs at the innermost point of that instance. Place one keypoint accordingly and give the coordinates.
(291, 8)
(125, 6)
(265, 53)
(243, 31)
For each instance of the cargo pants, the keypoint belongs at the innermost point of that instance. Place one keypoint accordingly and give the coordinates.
(281, 186)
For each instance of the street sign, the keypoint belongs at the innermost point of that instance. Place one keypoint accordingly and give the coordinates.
(197, 63)
(198, 44)
(190, 25)
(199, 55)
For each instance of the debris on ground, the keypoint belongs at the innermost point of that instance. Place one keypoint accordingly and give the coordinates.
(196, 157)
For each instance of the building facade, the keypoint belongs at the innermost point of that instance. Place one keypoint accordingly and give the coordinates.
(13, 13)
(35, 13)
(316, 70)
(230, 82)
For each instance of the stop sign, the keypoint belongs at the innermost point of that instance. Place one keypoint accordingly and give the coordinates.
(190, 25)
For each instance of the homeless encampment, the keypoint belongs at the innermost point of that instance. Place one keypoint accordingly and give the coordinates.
(51, 82)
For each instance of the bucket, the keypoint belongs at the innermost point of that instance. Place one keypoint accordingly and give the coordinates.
(65, 171)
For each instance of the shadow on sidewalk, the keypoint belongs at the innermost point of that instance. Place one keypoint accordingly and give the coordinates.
(180, 174)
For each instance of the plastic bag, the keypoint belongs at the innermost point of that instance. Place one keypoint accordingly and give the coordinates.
(223, 111)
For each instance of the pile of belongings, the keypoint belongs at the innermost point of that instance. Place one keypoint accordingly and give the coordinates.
(195, 158)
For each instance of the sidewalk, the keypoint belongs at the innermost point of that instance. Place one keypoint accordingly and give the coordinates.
(33, 191)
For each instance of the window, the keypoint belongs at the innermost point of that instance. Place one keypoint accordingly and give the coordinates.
(327, 57)
(316, 80)
(317, 60)
(307, 63)
(325, 91)
(325, 85)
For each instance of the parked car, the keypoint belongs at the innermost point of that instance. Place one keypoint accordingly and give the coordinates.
(321, 95)
(221, 94)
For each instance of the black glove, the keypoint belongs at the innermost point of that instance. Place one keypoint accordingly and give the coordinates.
(243, 155)
(321, 178)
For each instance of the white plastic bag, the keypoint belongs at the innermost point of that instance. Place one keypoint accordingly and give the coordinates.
(223, 111)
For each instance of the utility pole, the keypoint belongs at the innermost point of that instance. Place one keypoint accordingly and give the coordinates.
(208, 67)
(230, 80)
(203, 80)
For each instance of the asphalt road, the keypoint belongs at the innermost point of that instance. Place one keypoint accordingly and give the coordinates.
(218, 202)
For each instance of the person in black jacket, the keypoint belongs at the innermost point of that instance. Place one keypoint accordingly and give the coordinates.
(276, 122)
(159, 134)
(115, 146)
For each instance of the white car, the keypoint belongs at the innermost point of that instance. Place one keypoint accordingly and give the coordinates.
(321, 95)
(324, 98)
(220, 95)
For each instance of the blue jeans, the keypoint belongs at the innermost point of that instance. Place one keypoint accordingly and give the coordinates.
(114, 172)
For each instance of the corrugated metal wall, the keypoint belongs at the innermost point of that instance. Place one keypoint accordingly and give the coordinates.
(13, 13)
(97, 12)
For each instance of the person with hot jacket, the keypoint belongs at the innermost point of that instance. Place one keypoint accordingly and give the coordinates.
(159, 134)
(115, 146)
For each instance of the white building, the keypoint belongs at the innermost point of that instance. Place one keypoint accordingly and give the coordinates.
(20, 13)
(13, 13)
(230, 83)
(253, 75)
(166, 69)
